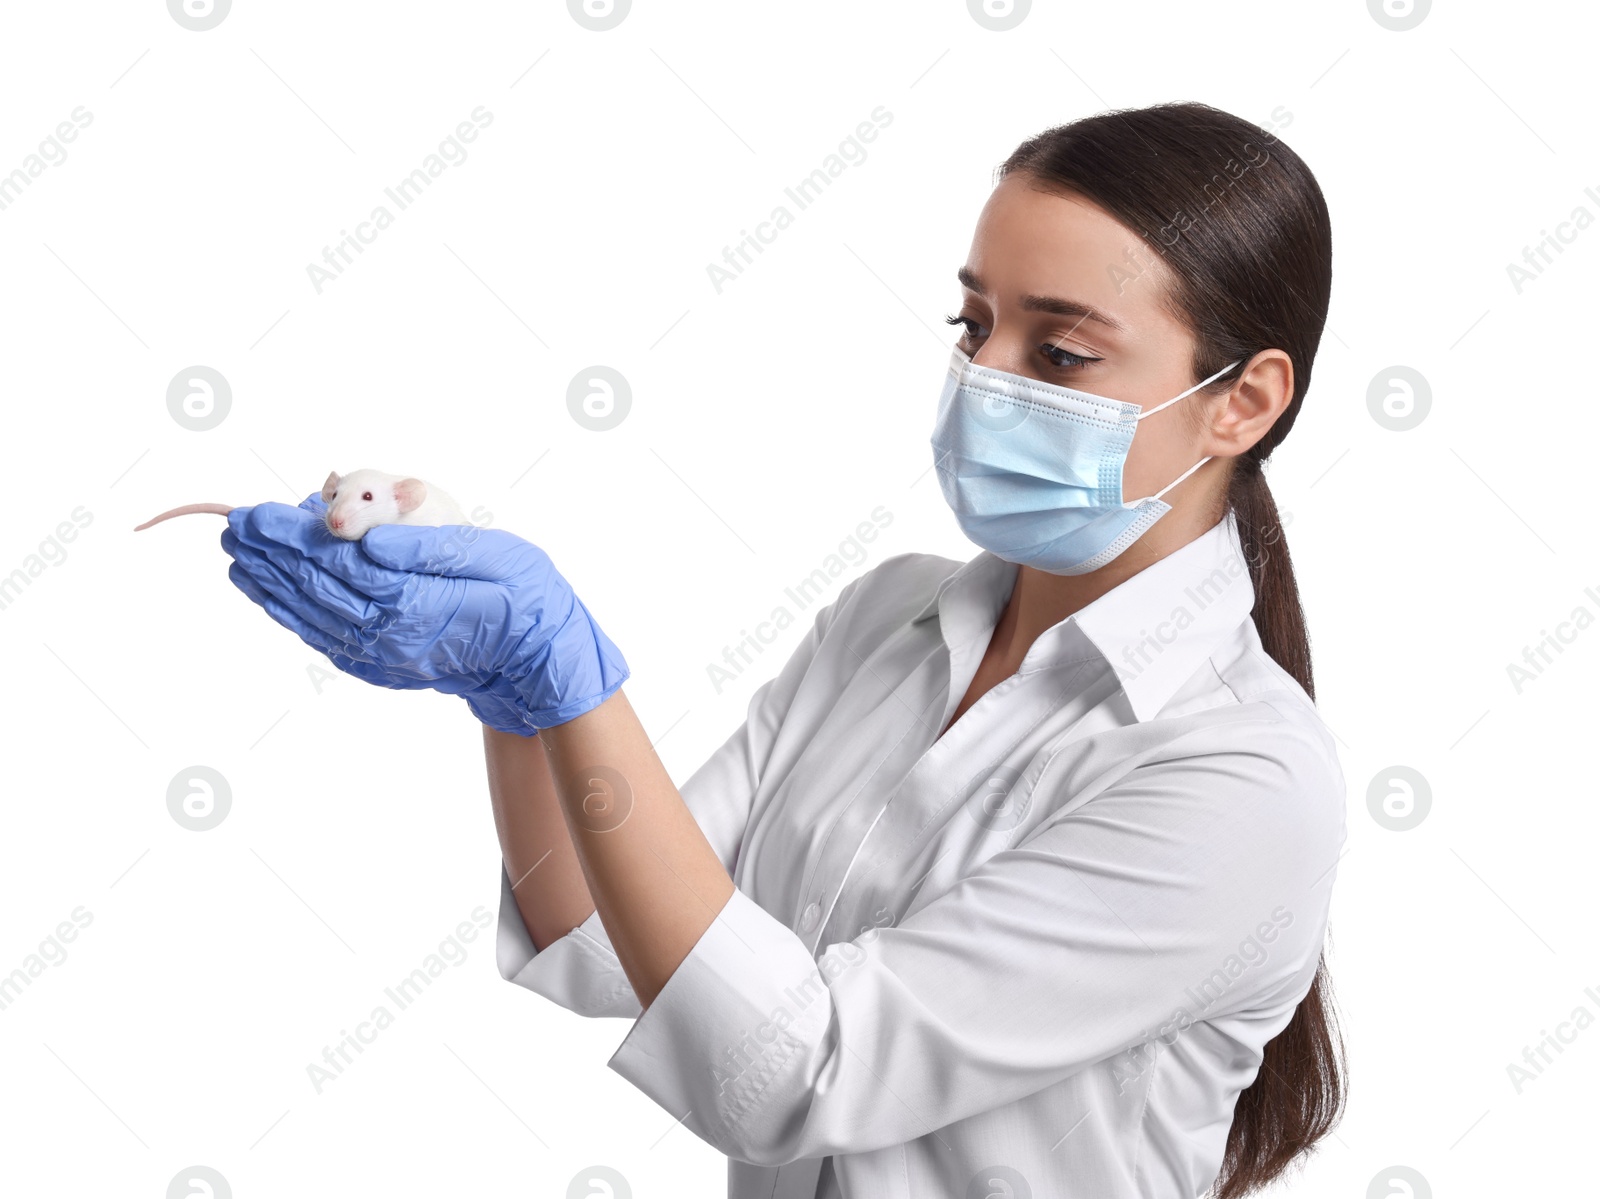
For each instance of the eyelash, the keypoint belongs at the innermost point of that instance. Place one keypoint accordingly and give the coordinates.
(1076, 359)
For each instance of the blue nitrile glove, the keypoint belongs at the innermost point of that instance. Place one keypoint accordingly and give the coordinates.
(494, 705)
(480, 613)
(275, 590)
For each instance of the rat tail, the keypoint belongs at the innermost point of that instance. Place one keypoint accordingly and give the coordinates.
(219, 509)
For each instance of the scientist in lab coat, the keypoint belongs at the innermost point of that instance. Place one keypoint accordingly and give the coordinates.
(1016, 877)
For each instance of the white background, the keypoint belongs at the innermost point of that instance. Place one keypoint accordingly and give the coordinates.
(767, 422)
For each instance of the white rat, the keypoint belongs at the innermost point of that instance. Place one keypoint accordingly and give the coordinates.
(361, 499)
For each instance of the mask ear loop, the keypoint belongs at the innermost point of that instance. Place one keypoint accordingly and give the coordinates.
(1198, 464)
(1181, 477)
(1191, 391)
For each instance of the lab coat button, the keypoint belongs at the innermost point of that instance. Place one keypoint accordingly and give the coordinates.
(808, 918)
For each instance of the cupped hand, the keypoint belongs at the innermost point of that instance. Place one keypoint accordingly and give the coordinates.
(480, 613)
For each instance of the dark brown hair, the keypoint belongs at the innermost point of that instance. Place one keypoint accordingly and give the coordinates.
(1241, 225)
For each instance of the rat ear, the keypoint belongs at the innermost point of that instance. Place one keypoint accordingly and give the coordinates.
(328, 486)
(409, 494)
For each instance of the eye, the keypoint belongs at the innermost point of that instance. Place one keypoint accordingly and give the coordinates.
(966, 322)
(1067, 360)
(366, 495)
(1057, 357)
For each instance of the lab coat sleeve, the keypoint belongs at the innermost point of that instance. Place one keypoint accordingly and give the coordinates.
(1203, 876)
(579, 970)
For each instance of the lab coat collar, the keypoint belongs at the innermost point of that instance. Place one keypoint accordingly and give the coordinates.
(1154, 629)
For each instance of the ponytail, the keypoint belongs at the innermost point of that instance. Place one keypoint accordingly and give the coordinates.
(1298, 1093)
(1279, 620)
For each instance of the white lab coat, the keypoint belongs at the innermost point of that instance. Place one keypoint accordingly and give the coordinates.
(1042, 951)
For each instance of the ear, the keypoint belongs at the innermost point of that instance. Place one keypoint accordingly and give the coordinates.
(1254, 403)
(328, 485)
(409, 494)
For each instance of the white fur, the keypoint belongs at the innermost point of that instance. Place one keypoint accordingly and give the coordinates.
(357, 514)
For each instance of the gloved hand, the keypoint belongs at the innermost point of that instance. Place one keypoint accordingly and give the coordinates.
(275, 589)
(480, 613)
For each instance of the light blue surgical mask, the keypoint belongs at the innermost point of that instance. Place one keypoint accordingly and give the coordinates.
(1033, 471)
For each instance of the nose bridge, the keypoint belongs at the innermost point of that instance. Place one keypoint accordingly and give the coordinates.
(1009, 354)
(1026, 395)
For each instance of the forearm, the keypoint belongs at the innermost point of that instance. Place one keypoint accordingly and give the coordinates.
(546, 876)
(655, 879)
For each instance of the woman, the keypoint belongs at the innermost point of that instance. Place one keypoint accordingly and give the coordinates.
(1015, 880)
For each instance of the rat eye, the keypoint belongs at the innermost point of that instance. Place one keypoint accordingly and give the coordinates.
(366, 495)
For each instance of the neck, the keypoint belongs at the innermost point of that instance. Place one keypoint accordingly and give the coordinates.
(1040, 600)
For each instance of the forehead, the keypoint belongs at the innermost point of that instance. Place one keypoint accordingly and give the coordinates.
(1034, 242)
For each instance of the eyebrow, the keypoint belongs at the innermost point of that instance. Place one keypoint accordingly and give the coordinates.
(1050, 304)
